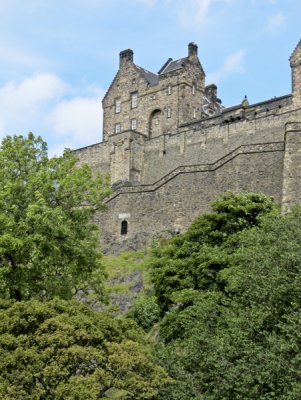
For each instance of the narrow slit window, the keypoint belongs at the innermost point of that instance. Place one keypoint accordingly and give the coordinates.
(117, 106)
(193, 89)
(124, 228)
(133, 124)
(168, 112)
(134, 99)
(118, 127)
(169, 89)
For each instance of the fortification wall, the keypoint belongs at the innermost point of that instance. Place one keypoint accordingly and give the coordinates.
(178, 176)
(96, 156)
(211, 140)
(173, 203)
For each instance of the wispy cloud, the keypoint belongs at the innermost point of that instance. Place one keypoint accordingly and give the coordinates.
(44, 104)
(275, 22)
(22, 102)
(233, 63)
(195, 11)
(197, 14)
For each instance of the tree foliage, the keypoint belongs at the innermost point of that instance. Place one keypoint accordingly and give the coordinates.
(62, 350)
(193, 259)
(242, 343)
(146, 311)
(48, 245)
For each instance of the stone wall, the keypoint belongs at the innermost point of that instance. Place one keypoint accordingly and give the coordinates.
(167, 174)
(173, 203)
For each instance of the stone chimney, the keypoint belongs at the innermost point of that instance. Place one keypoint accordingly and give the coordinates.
(126, 56)
(192, 49)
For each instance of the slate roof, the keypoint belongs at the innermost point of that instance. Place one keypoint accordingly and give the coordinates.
(172, 65)
(151, 78)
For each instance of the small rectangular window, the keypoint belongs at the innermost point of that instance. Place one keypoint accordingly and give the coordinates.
(169, 89)
(117, 106)
(133, 124)
(193, 89)
(124, 228)
(118, 127)
(194, 112)
(134, 99)
(168, 112)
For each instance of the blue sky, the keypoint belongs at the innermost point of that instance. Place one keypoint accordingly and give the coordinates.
(57, 58)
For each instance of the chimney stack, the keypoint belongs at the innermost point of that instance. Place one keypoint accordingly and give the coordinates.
(192, 49)
(126, 56)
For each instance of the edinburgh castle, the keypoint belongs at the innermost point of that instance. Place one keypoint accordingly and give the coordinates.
(171, 148)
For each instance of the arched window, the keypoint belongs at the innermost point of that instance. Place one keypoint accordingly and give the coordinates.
(155, 123)
(124, 228)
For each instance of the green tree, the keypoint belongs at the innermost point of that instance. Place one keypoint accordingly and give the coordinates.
(48, 245)
(146, 311)
(242, 343)
(192, 260)
(62, 350)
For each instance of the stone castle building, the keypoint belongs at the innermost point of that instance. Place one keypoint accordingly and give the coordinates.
(171, 148)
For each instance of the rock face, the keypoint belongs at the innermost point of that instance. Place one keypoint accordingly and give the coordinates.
(171, 148)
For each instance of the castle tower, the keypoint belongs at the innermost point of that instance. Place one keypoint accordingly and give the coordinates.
(185, 82)
(295, 62)
(142, 106)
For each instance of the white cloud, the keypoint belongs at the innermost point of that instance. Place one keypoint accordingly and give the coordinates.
(41, 104)
(196, 13)
(78, 121)
(31, 93)
(275, 22)
(233, 63)
(22, 103)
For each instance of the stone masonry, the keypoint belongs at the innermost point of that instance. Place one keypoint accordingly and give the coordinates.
(171, 148)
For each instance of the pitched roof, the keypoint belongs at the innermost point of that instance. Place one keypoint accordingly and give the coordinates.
(172, 65)
(150, 77)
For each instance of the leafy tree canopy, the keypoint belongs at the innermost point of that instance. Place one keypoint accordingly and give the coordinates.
(244, 342)
(192, 260)
(48, 245)
(62, 350)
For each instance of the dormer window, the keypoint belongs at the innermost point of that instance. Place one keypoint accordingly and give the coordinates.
(134, 99)
(118, 127)
(117, 106)
(133, 124)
